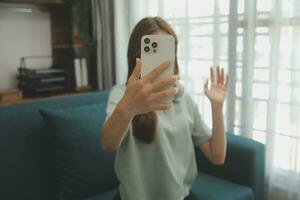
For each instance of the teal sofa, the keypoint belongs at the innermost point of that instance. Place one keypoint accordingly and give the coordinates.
(27, 171)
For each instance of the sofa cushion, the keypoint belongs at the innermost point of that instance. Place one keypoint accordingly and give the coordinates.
(212, 188)
(26, 169)
(84, 169)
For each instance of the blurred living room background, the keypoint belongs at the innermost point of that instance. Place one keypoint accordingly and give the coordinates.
(84, 43)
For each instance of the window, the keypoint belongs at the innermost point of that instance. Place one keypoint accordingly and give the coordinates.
(258, 44)
(203, 41)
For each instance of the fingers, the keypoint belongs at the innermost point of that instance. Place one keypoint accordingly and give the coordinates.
(212, 74)
(222, 75)
(165, 82)
(219, 75)
(222, 78)
(159, 96)
(206, 87)
(226, 81)
(137, 70)
(157, 71)
(161, 106)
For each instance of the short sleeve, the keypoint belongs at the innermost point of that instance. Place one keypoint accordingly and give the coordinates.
(201, 132)
(115, 95)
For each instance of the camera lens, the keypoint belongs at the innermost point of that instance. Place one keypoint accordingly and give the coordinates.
(147, 49)
(147, 40)
(154, 44)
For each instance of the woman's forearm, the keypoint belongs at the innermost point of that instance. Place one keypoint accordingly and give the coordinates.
(115, 128)
(141, 96)
(218, 139)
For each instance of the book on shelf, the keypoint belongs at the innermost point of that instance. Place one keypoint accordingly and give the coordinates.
(36, 82)
(46, 71)
(40, 80)
(81, 73)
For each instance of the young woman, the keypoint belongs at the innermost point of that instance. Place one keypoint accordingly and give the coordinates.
(155, 140)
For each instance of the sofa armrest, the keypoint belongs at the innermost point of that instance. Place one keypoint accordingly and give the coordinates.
(244, 164)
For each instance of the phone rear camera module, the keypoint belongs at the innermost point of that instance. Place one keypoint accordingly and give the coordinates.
(147, 40)
(154, 44)
(146, 49)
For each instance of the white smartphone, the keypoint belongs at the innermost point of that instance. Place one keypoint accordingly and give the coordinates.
(156, 49)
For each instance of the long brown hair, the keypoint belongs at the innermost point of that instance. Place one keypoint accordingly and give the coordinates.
(144, 125)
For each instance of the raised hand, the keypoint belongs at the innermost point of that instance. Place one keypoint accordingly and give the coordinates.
(218, 90)
(143, 95)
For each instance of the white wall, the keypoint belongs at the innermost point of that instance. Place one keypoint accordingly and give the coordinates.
(22, 34)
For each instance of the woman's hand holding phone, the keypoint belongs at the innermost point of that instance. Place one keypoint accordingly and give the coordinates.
(143, 95)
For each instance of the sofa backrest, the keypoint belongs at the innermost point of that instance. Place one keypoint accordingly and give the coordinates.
(26, 165)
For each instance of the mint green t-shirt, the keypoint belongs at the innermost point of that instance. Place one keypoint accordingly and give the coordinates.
(166, 168)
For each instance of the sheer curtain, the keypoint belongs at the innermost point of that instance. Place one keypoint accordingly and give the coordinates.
(103, 26)
(258, 44)
(267, 86)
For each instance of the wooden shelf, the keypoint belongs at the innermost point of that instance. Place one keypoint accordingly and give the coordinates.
(61, 46)
(83, 89)
(67, 46)
(25, 100)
